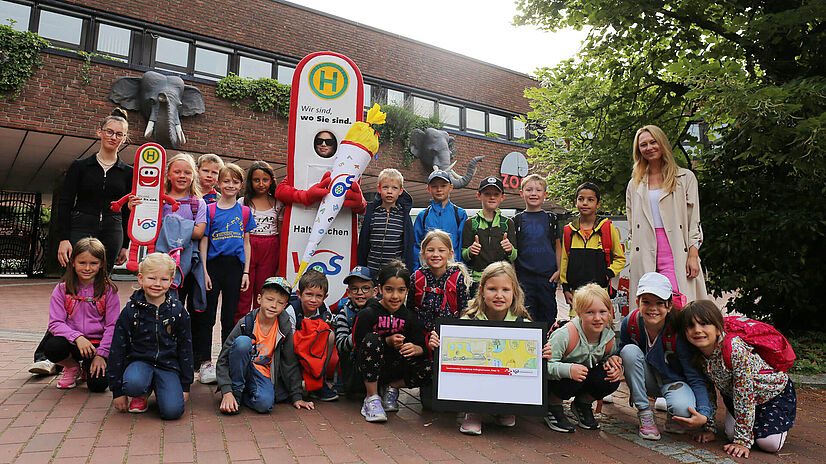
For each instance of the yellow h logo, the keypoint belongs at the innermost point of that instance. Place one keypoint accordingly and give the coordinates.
(328, 80)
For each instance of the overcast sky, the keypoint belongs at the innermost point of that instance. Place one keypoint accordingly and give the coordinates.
(480, 29)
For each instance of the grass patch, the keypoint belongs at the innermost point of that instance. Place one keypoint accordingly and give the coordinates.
(810, 348)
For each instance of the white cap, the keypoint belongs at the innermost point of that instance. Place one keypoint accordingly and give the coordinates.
(655, 284)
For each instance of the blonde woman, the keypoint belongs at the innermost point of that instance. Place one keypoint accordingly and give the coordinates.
(663, 210)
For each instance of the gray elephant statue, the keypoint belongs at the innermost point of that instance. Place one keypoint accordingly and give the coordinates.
(162, 100)
(434, 148)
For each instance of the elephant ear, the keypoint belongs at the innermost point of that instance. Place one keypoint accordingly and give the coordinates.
(451, 144)
(417, 137)
(126, 92)
(192, 102)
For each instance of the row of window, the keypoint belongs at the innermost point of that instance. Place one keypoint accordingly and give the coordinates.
(213, 62)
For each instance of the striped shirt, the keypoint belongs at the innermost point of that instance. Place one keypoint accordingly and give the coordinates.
(386, 230)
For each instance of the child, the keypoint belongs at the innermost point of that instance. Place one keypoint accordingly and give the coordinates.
(82, 314)
(259, 197)
(225, 249)
(440, 214)
(658, 363)
(761, 403)
(538, 264)
(309, 304)
(152, 344)
(499, 299)
(488, 236)
(390, 345)
(209, 165)
(387, 232)
(258, 352)
(360, 290)
(583, 362)
(182, 186)
(585, 256)
(439, 287)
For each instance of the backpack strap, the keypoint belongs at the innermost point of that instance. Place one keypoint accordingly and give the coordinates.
(419, 281)
(211, 208)
(634, 325)
(245, 215)
(424, 216)
(725, 348)
(456, 215)
(517, 222)
(605, 238)
(573, 339)
(451, 289)
(567, 232)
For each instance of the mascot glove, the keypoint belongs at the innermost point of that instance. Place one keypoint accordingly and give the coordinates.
(317, 192)
(354, 199)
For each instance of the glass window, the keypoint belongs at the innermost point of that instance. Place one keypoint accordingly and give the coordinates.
(368, 96)
(449, 115)
(285, 74)
(60, 27)
(395, 98)
(254, 69)
(475, 120)
(17, 13)
(424, 107)
(498, 124)
(518, 129)
(210, 64)
(114, 40)
(172, 52)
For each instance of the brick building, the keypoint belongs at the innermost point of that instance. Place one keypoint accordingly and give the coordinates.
(53, 121)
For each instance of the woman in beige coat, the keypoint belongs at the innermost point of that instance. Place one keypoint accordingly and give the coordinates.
(663, 211)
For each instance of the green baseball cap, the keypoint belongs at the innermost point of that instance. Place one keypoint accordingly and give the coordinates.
(279, 282)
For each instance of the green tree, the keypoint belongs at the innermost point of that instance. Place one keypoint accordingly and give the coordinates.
(755, 72)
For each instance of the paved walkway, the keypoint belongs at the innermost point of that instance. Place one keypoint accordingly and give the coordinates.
(41, 424)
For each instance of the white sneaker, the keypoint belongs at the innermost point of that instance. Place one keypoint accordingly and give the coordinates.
(660, 404)
(206, 374)
(44, 367)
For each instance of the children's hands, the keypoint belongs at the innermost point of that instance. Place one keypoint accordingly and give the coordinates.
(228, 403)
(569, 297)
(245, 282)
(738, 451)
(554, 277)
(613, 368)
(507, 246)
(301, 404)
(546, 350)
(696, 419)
(434, 342)
(133, 201)
(121, 403)
(579, 372)
(475, 247)
(704, 437)
(87, 350)
(98, 367)
(410, 349)
(395, 341)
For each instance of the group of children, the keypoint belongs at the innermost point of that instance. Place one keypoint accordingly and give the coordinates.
(384, 332)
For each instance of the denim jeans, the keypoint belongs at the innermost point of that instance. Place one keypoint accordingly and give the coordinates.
(254, 389)
(140, 378)
(643, 381)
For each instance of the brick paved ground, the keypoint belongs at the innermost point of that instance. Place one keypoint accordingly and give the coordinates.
(40, 424)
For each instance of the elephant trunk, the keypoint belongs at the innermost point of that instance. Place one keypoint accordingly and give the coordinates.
(471, 169)
(166, 127)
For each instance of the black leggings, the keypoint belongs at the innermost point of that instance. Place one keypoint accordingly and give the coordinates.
(378, 362)
(58, 348)
(225, 273)
(595, 384)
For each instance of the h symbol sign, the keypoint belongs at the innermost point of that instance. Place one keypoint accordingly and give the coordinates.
(322, 80)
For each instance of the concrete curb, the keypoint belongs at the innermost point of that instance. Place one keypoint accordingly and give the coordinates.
(816, 381)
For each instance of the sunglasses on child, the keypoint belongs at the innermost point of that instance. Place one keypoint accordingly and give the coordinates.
(328, 142)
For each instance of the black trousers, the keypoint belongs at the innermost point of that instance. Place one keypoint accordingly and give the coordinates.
(109, 230)
(225, 273)
(58, 348)
(378, 362)
(595, 384)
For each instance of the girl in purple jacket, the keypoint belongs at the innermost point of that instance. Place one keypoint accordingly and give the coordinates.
(82, 313)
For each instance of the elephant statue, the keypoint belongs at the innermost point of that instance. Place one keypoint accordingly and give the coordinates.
(434, 148)
(162, 100)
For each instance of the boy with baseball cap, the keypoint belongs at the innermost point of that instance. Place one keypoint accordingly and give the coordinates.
(360, 290)
(441, 214)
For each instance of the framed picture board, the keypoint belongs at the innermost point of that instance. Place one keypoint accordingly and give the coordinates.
(490, 367)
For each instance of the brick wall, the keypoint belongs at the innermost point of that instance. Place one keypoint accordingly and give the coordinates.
(293, 31)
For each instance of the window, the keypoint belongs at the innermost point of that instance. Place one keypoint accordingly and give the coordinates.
(60, 27)
(210, 64)
(498, 124)
(395, 98)
(172, 55)
(114, 41)
(17, 13)
(424, 107)
(475, 120)
(254, 69)
(285, 74)
(368, 96)
(518, 129)
(450, 115)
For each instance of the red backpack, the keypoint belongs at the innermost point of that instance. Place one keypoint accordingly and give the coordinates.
(449, 291)
(245, 214)
(767, 342)
(605, 238)
(310, 344)
(70, 301)
(669, 337)
(573, 339)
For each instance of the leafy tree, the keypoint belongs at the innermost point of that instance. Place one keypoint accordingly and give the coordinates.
(754, 72)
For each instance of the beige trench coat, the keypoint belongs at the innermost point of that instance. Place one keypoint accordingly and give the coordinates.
(680, 211)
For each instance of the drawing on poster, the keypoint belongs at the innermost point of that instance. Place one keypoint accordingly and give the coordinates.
(489, 356)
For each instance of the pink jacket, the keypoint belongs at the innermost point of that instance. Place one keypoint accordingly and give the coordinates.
(85, 319)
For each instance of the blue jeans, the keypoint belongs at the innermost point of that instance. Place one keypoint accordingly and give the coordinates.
(643, 381)
(140, 378)
(540, 297)
(255, 390)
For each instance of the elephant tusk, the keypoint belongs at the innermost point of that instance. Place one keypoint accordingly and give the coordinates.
(180, 131)
(150, 126)
(435, 167)
(450, 168)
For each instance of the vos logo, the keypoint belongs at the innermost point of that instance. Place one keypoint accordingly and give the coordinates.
(326, 261)
(146, 223)
(340, 186)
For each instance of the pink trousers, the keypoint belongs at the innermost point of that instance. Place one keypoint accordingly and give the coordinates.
(263, 264)
(665, 265)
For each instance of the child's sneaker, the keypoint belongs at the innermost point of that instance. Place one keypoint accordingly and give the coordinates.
(505, 420)
(44, 367)
(70, 377)
(648, 426)
(324, 393)
(556, 419)
(390, 399)
(660, 404)
(138, 404)
(372, 410)
(206, 374)
(472, 424)
(584, 415)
